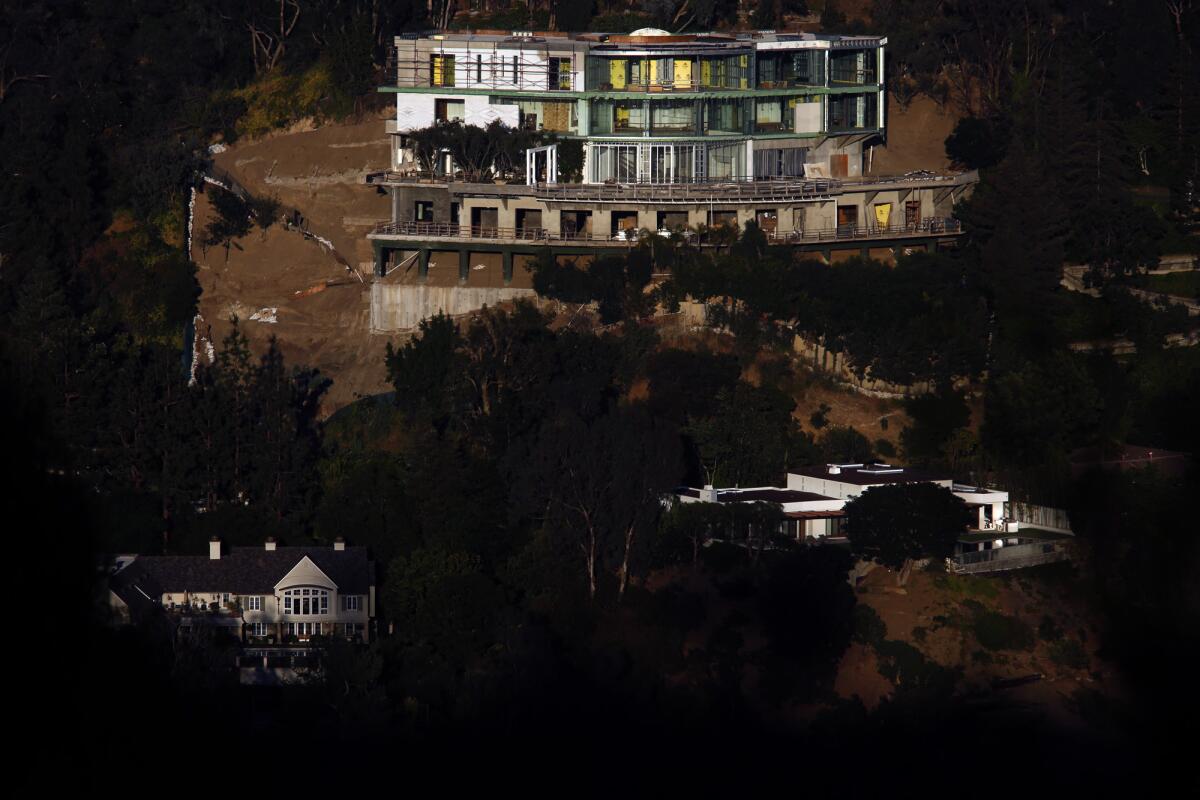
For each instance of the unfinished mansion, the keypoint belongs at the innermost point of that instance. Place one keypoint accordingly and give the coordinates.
(678, 131)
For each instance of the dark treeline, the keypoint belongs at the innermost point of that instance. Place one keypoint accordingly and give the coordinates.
(543, 611)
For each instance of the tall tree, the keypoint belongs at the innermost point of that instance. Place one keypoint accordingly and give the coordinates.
(898, 523)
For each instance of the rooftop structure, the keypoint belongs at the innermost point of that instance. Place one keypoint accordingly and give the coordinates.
(808, 516)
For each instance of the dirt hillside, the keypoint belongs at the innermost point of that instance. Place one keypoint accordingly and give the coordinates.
(279, 283)
(916, 136)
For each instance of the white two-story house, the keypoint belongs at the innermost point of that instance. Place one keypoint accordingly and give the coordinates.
(266, 594)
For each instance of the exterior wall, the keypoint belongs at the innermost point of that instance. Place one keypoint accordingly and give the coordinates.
(396, 307)
(405, 197)
(416, 111)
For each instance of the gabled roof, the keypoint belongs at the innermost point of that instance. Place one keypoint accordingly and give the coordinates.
(244, 570)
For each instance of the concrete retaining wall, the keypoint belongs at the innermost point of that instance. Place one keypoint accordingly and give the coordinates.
(399, 308)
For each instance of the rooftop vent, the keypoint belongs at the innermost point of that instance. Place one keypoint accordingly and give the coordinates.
(339, 543)
(269, 546)
(214, 549)
(881, 469)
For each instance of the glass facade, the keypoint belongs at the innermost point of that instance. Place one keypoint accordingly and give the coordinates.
(853, 67)
(853, 112)
(791, 68)
(683, 72)
(647, 162)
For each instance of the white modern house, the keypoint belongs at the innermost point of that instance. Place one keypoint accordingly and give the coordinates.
(268, 595)
(808, 515)
(814, 500)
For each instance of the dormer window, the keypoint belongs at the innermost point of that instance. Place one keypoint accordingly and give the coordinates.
(306, 601)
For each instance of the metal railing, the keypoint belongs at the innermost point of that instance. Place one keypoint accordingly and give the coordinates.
(1015, 556)
(935, 226)
(923, 176)
(697, 190)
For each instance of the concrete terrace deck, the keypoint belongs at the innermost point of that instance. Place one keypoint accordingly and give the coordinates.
(700, 192)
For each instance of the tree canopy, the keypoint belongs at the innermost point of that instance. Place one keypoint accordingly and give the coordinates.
(901, 522)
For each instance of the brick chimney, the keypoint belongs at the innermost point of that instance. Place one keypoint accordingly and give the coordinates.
(214, 549)
(339, 543)
(269, 546)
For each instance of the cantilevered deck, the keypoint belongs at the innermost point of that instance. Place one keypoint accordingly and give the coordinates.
(779, 190)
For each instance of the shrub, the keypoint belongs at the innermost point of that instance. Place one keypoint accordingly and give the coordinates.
(869, 629)
(907, 668)
(818, 418)
(966, 585)
(996, 631)
(1049, 630)
(1069, 653)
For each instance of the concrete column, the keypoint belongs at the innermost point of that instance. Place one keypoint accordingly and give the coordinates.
(507, 258)
(464, 265)
(423, 263)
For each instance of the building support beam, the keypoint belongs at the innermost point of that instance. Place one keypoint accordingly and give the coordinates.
(507, 257)
(464, 265)
(423, 264)
(380, 259)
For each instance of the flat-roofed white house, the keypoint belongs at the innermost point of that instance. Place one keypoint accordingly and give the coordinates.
(815, 498)
(266, 594)
(808, 515)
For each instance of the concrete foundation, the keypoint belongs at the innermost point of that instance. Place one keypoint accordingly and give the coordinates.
(400, 307)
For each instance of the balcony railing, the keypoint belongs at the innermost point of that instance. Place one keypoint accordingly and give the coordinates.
(852, 77)
(931, 226)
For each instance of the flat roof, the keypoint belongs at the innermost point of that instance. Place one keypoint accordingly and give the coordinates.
(765, 494)
(639, 39)
(869, 474)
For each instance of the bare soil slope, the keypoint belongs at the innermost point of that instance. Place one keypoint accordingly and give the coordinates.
(280, 284)
(916, 136)
(940, 615)
(320, 311)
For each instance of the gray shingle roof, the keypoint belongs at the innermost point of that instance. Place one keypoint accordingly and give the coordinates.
(244, 570)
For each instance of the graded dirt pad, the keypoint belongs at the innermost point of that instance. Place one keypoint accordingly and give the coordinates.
(321, 311)
(320, 172)
(280, 284)
(916, 136)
